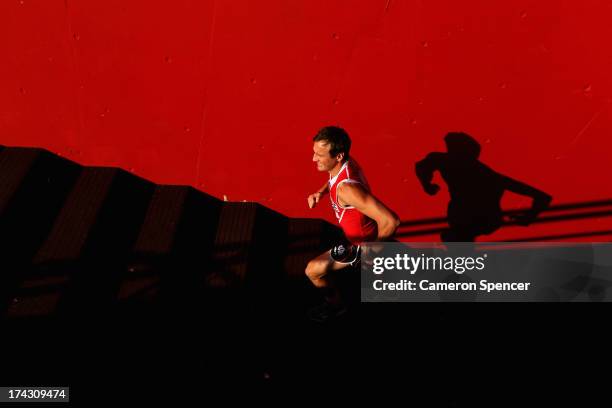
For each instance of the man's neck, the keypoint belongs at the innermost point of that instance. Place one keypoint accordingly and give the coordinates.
(334, 172)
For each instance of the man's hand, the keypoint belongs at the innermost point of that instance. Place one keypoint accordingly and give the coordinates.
(431, 189)
(313, 199)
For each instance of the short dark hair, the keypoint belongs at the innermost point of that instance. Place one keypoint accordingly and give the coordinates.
(337, 138)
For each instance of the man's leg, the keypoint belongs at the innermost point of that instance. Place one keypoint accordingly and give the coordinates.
(320, 272)
(319, 268)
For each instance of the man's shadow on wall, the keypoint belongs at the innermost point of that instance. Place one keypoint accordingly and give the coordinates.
(475, 190)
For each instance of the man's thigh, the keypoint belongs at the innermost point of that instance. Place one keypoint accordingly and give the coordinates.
(325, 262)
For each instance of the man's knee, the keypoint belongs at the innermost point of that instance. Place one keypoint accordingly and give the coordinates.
(315, 270)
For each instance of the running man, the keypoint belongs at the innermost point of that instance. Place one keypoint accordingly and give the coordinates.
(362, 217)
(475, 190)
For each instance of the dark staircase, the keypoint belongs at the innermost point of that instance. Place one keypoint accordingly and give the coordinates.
(103, 271)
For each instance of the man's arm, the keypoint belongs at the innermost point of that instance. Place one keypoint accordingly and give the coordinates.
(541, 200)
(314, 198)
(425, 171)
(355, 195)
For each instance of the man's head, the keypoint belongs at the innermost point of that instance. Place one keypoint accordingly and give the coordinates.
(462, 145)
(331, 147)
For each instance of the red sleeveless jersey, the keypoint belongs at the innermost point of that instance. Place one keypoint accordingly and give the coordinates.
(357, 227)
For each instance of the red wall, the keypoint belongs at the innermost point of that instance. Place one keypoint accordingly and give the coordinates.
(226, 95)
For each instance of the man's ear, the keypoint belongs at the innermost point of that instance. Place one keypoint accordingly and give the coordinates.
(340, 157)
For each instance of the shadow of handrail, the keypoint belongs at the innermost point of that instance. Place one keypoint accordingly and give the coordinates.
(552, 208)
(565, 236)
(598, 213)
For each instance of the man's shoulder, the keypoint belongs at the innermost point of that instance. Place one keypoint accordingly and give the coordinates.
(350, 186)
(350, 192)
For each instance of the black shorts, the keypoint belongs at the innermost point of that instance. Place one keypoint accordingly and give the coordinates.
(346, 253)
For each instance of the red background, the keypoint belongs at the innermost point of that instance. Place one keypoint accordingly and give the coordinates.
(226, 95)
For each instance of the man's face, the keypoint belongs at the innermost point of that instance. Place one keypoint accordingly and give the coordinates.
(322, 157)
